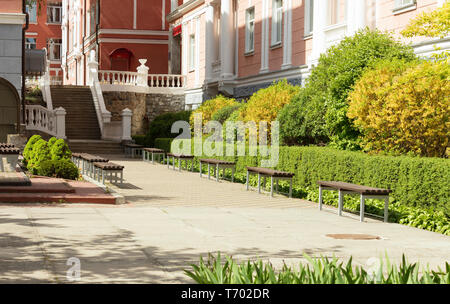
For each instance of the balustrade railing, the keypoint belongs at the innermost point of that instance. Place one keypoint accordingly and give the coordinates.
(40, 119)
(132, 79)
(166, 81)
(117, 77)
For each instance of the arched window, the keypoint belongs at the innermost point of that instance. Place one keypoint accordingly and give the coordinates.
(120, 60)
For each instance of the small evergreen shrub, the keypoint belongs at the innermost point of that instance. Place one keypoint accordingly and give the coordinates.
(161, 126)
(40, 153)
(62, 168)
(224, 113)
(29, 147)
(163, 143)
(51, 142)
(60, 150)
(140, 140)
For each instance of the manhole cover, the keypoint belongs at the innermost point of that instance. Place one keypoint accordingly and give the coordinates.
(353, 236)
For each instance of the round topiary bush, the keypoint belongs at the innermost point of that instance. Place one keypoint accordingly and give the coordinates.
(59, 150)
(40, 153)
(29, 148)
(62, 168)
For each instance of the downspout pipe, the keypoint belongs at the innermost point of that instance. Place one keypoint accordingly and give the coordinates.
(24, 29)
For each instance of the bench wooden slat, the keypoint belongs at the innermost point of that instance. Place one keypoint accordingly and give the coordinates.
(154, 150)
(9, 151)
(5, 145)
(93, 158)
(131, 145)
(108, 166)
(270, 172)
(365, 190)
(180, 156)
(216, 161)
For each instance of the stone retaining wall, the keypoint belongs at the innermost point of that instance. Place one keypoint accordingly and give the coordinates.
(145, 107)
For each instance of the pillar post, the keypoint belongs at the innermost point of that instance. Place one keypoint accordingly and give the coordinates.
(126, 124)
(226, 39)
(142, 78)
(60, 114)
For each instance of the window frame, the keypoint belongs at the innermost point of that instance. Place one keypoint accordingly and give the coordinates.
(309, 18)
(57, 42)
(27, 43)
(277, 23)
(33, 9)
(400, 7)
(53, 7)
(249, 30)
(192, 56)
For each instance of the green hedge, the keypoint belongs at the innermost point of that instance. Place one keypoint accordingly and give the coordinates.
(415, 181)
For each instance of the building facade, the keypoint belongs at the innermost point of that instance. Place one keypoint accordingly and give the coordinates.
(44, 31)
(119, 32)
(236, 47)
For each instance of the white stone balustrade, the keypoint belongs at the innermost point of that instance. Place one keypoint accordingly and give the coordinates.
(52, 122)
(166, 81)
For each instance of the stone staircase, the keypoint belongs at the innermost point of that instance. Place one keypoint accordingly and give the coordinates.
(82, 129)
(81, 118)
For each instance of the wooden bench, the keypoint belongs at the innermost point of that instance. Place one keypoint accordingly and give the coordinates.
(274, 175)
(364, 192)
(217, 165)
(103, 170)
(153, 151)
(88, 162)
(180, 157)
(5, 145)
(76, 159)
(11, 156)
(132, 150)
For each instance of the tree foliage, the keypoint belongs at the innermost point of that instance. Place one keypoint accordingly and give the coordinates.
(211, 106)
(404, 108)
(430, 24)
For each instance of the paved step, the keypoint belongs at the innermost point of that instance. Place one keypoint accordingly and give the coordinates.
(96, 146)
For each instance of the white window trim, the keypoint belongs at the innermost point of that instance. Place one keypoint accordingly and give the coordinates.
(54, 7)
(192, 56)
(308, 18)
(402, 8)
(249, 48)
(276, 12)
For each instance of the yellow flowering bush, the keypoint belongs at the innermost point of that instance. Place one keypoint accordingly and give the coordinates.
(211, 106)
(265, 104)
(403, 108)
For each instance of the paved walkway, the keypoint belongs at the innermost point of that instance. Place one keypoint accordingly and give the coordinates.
(172, 218)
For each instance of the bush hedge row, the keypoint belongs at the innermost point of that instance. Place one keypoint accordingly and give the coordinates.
(415, 181)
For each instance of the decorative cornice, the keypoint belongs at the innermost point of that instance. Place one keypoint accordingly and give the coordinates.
(183, 9)
(12, 18)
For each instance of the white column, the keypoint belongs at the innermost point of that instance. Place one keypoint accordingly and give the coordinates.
(134, 14)
(60, 114)
(287, 35)
(197, 51)
(265, 37)
(356, 16)
(226, 39)
(320, 19)
(142, 78)
(126, 124)
(209, 43)
(184, 48)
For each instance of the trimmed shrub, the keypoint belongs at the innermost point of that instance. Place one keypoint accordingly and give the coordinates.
(29, 147)
(403, 108)
(140, 139)
(40, 153)
(330, 82)
(163, 143)
(224, 113)
(265, 104)
(59, 150)
(211, 106)
(51, 142)
(62, 168)
(161, 126)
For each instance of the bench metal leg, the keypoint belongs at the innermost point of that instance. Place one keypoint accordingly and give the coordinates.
(209, 171)
(153, 158)
(386, 209)
(320, 198)
(173, 160)
(179, 164)
(217, 172)
(290, 188)
(340, 203)
(276, 186)
(232, 175)
(361, 215)
(247, 180)
(271, 186)
(192, 165)
(200, 168)
(259, 183)
(168, 162)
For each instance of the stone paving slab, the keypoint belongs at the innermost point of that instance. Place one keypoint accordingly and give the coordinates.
(174, 218)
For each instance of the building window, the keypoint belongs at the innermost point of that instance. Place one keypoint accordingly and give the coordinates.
(93, 18)
(336, 11)
(32, 13)
(277, 21)
(309, 17)
(30, 43)
(54, 49)
(191, 52)
(54, 12)
(250, 30)
(404, 3)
